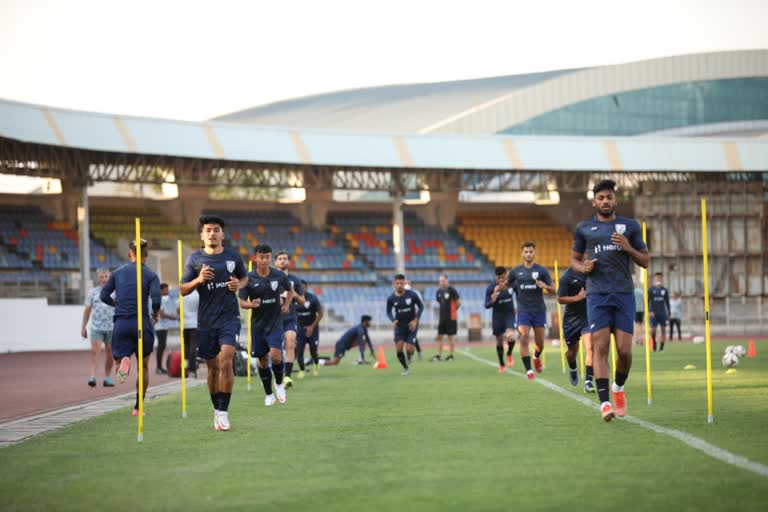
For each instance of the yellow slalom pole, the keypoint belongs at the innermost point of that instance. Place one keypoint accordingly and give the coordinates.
(647, 330)
(560, 319)
(710, 415)
(181, 336)
(581, 359)
(248, 315)
(139, 316)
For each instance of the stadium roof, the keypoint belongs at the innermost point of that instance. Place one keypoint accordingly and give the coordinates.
(223, 141)
(460, 125)
(654, 88)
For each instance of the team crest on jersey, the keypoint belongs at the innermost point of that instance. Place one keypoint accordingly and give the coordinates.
(408, 301)
(535, 275)
(273, 284)
(230, 266)
(621, 228)
(447, 295)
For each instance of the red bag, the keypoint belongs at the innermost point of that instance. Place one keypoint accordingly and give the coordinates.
(173, 364)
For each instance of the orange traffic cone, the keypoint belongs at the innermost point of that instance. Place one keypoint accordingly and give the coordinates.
(381, 361)
(751, 351)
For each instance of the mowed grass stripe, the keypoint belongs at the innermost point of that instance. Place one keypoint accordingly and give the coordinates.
(448, 437)
(694, 442)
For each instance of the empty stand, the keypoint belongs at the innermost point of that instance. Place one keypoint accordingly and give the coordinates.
(499, 237)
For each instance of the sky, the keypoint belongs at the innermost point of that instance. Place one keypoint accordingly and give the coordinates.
(195, 60)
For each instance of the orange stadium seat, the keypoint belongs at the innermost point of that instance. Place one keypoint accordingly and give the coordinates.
(499, 237)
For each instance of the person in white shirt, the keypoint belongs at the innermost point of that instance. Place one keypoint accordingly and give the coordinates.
(169, 314)
(100, 316)
(675, 314)
(191, 304)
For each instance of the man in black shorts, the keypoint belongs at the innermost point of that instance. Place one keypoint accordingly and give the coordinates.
(572, 292)
(449, 301)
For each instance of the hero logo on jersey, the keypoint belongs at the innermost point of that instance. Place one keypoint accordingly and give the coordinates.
(408, 302)
(273, 284)
(621, 228)
(230, 266)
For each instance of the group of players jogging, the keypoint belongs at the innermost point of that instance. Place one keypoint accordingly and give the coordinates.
(597, 291)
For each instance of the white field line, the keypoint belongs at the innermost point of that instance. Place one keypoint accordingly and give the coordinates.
(684, 437)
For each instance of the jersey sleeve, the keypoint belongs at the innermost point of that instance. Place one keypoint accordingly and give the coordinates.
(285, 282)
(154, 293)
(245, 291)
(389, 310)
(106, 291)
(240, 271)
(545, 276)
(455, 294)
(89, 299)
(579, 242)
(489, 296)
(188, 273)
(562, 289)
(636, 238)
(298, 288)
(417, 301)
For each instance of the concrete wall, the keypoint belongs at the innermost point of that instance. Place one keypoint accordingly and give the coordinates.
(33, 325)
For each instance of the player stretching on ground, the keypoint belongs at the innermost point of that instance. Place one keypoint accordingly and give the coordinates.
(416, 344)
(658, 309)
(529, 280)
(125, 338)
(308, 316)
(404, 309)
(217, 273)
(609, 242)
(449, 301)
(264, 295)
(101, 329)
(289, 318)
(499, 298)
(355, 336)
(573, 293)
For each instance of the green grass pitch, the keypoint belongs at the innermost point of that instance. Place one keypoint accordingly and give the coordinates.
(451, 436)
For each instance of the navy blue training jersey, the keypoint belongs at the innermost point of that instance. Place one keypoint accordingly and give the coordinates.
(571, 283)
(504, 305)
(530, 298)
(612, 272)
(123, 282)
(404, 308)
(658, 299)
(307, 313)
(269, 289)
(218, 305)
(354, 334)
(298, 289)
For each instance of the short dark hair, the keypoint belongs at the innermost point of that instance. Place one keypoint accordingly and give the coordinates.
(263, 249)
(163, 286)
(365, 318)
(304, 283)
(658, 274)
(144, 245)
(500, 270)
(209, 219)
(399, 276)
(604, 185)
(528, 244)
(282, 252)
